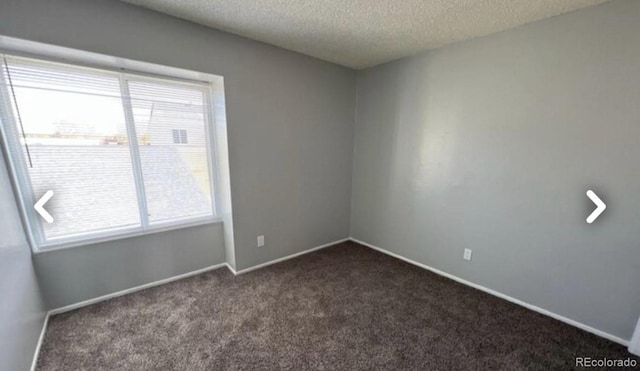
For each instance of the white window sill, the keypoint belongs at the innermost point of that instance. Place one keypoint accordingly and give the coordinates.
(124, 234)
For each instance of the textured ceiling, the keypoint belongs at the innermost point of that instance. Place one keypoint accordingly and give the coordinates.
(362, 33)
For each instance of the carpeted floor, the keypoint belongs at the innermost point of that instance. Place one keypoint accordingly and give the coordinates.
(345, 307)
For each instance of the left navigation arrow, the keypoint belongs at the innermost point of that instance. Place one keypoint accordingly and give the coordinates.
(39, 206)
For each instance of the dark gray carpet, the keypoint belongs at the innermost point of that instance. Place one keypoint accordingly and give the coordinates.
(342, 308)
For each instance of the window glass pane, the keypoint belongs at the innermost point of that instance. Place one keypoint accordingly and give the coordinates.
(75, 136)
(176, 136)
(175, 171)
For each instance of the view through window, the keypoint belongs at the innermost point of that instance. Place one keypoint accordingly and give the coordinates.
(104, 143)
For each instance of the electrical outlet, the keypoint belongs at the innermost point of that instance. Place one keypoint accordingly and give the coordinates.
(260, 241)
(467, 254)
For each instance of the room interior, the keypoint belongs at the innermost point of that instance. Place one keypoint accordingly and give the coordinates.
(319, 185)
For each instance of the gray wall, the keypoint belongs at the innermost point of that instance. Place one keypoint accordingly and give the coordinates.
(491, 145)
(290, 135)
(80, 273)
(22, 310)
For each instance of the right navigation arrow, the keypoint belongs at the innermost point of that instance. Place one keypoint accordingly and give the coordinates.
(599, 209)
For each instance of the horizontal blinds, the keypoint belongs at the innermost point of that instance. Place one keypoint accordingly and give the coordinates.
(34, 74)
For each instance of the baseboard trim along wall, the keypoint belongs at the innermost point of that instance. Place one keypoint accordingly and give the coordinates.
(500, 295)
(279, 260)
(185, 275)
(34, 363)
(134, 289)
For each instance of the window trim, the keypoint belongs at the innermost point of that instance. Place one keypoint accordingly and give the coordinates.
(21, 183)
(125, 233)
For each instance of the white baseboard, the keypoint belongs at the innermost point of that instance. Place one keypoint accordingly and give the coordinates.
(247, 270)
(185, 275)
(34, 363)
(134, 289)
(500, 295)
(229, 267)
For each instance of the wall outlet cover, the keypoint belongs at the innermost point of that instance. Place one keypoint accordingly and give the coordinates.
(467, 254)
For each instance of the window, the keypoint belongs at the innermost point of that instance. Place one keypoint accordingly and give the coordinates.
(103, 142)
(179, 136)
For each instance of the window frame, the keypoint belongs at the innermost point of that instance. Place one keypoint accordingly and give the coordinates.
(33, 223)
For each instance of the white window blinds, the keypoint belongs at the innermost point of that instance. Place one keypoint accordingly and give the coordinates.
(102, 141)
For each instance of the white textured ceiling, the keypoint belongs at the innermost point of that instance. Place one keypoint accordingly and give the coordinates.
(362, 33)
